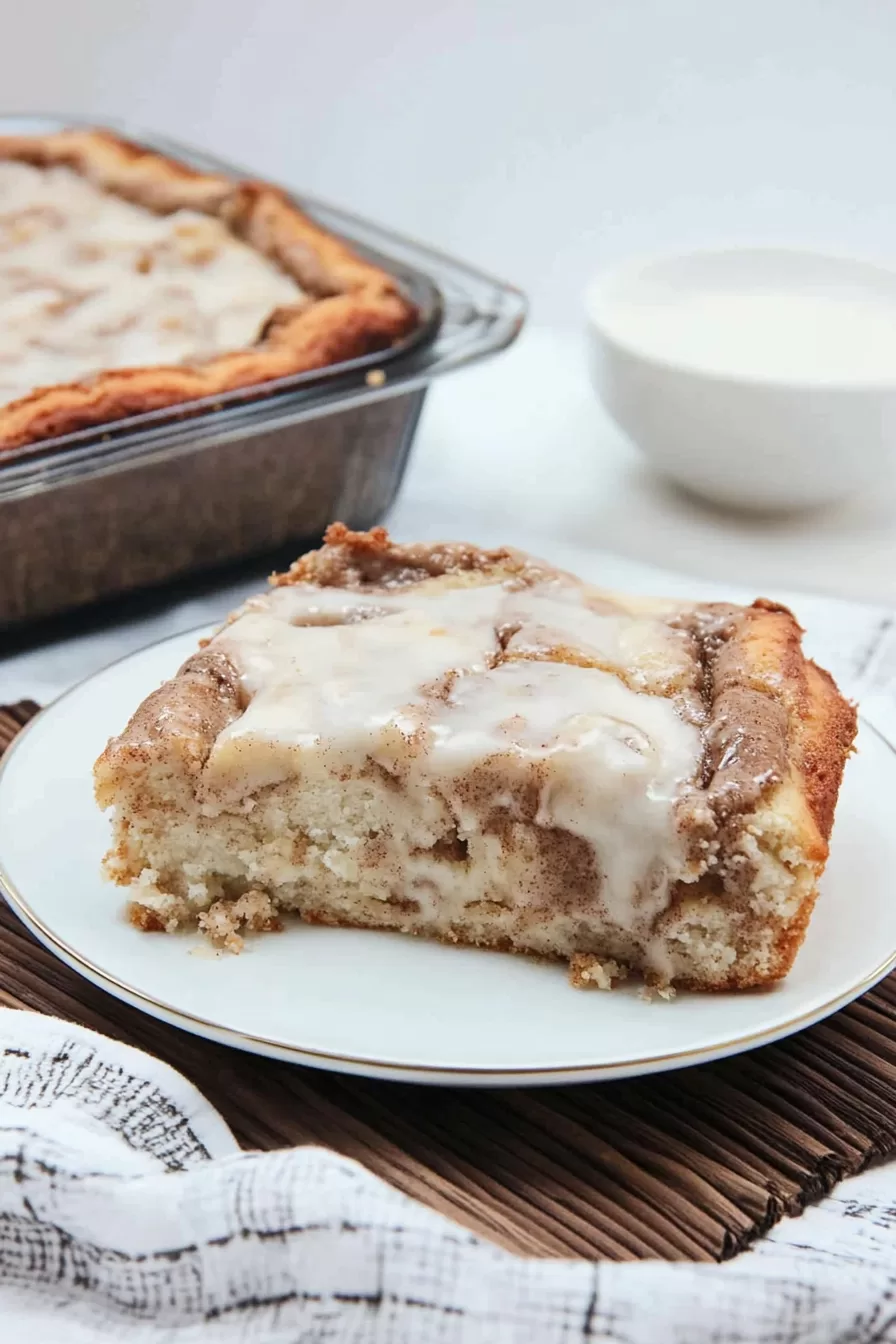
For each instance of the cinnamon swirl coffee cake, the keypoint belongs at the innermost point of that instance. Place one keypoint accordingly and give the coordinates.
(474, 746)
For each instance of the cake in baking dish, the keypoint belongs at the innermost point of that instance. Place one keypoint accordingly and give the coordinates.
(474, 746)
(131, 282)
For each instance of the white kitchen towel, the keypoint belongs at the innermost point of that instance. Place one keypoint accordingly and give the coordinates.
(128, 1212)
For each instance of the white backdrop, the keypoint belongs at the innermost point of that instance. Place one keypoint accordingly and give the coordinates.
(539, 139)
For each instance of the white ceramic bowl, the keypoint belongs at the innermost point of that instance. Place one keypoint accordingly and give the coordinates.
(760, 378)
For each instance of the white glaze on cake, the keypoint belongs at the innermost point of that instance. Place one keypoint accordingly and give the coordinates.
(439, 688)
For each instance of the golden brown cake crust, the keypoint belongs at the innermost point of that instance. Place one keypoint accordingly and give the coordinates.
(372, 559)
(353, 307)
(776, 731)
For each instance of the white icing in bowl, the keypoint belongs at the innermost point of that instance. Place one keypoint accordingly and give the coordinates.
(759, 378)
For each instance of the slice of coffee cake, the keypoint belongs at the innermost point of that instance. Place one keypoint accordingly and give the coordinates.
(474, 746)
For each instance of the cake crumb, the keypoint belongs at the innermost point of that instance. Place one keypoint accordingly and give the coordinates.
(590, 972)
(649, 992)
(221, 922)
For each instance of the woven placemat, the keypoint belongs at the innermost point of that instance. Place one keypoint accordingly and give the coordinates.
(685, 1166)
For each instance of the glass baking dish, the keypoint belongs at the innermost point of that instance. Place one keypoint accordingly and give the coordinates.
(169, 493)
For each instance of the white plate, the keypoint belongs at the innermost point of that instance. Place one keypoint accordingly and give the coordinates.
(385, 1005)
